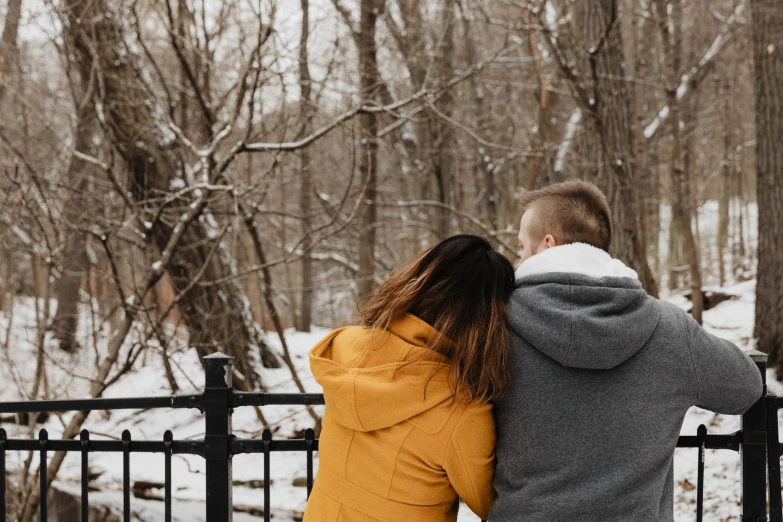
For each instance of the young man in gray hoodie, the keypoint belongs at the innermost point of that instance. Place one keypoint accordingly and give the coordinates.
(602, 375)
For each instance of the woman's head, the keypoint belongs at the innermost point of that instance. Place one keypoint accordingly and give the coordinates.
(460, 287)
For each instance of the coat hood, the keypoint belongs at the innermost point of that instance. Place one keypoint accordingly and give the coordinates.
(580, 307)
(368, 387)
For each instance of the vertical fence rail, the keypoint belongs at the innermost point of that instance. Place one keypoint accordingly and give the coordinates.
(3, 438)
(309, 443)
(702, 437)
(217, 437)
(753, 453)
(167, 438)
(267, 444)
(84, 438)
(126, 511)
(43, 437)
(773, 462)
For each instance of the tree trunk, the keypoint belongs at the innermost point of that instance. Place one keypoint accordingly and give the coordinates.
(442, 131)
(653, 208)
(217, 313)
(547, 100)
(9, 54)
(675, 257)
(484, 176)
(642, 37)
(368, 152)
(609, 106)
(724, 200)
(682, 216)
(738, 247)
(306, 306)
(75, 263)
(768, 59)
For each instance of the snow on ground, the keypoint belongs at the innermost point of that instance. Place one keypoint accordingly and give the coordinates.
(67, 376)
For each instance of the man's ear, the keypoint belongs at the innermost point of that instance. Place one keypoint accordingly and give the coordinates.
(550, 241)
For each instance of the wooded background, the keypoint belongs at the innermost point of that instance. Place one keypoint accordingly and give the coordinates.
(210, 171)
(199, 174)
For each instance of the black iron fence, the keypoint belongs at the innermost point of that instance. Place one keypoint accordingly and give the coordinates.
(757, 444)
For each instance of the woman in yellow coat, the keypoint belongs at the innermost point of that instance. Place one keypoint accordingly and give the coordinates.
(408, 424)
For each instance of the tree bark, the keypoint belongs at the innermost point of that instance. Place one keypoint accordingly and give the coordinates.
(9, 55)
(368, 152)
(547, 100)
(675, 255)
(75, 263)
(724, 198)
(768, 60)
(607, 100)
(642, 32)
(738, 247)
(484, 176)
(9, 52)
(682, 215)
(442, 133)
(306, 306)
(432, 147)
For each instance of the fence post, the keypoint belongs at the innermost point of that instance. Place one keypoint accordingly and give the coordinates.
(753, 452)
(217, 437)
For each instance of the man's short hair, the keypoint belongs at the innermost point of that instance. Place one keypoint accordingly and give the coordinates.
(573, 212)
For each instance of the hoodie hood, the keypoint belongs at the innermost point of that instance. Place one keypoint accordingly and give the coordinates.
(368, 387)
(580, 307)
(575, 258)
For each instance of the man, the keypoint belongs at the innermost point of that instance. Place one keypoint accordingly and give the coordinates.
(603, 375)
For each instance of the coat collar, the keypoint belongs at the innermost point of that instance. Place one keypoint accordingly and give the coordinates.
(575, 258)
(413, 330)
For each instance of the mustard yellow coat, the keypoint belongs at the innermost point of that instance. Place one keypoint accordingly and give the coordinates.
(394, 447)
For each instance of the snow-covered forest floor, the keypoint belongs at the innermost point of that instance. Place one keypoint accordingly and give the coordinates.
(68, 377)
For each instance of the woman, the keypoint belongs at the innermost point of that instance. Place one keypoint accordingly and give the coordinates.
(408, 425)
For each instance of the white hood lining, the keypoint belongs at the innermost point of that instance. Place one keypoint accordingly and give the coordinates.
(575, 258)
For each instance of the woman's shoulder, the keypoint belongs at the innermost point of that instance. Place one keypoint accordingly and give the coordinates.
(350, 332)
(445, 418)
(474, 420)
(478, 409)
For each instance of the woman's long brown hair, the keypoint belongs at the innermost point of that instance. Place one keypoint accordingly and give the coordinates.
(460, 287)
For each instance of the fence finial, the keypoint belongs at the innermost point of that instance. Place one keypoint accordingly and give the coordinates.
(757, 356)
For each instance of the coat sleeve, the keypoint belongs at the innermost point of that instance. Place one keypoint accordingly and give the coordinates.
(729, 382)
(470, 458)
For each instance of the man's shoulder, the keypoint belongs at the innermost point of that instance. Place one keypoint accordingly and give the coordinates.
(669, 311)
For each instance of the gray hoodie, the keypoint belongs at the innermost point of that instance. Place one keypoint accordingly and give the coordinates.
(603, 375)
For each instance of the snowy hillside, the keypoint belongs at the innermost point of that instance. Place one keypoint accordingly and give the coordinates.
(732, 319)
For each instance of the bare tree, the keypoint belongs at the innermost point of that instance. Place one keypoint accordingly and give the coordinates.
(75, 262)
(725, 190)
(305, 82)
(9, 54)
(607, 100)
(132, 117)
(682, 214)
(768, 59)
(369, 83)
(547, 100)
(9, 51)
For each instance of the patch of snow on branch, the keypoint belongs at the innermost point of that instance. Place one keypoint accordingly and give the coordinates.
(568, 137)
(682, 89)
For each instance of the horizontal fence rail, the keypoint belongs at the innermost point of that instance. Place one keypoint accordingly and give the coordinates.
(757, 443)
